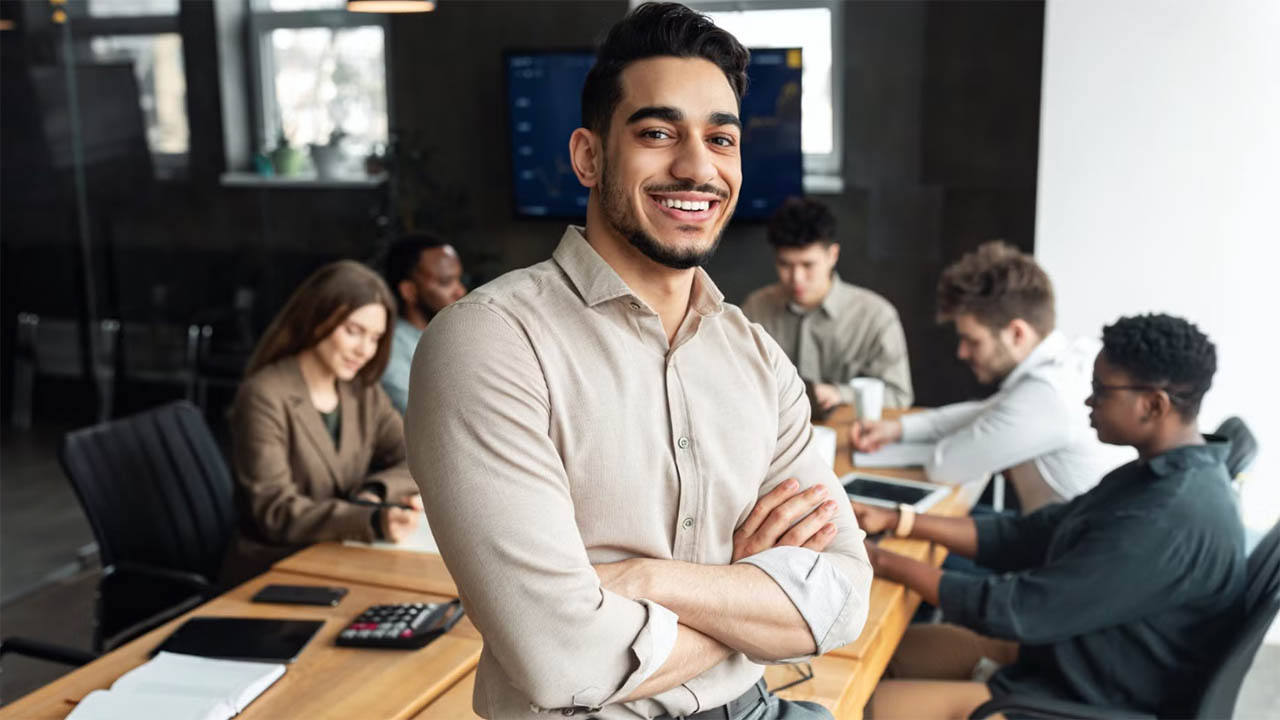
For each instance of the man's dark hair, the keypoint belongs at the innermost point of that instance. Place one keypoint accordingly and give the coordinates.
(403, 257)
(800, 222)
(657, 30)
(1164, 351)
(996, 284)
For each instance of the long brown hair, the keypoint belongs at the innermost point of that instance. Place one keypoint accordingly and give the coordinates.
(319, 305)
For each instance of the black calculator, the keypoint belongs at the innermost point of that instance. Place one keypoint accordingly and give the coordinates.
(406, 626)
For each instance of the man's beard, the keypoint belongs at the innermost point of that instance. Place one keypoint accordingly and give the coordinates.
(1001, 366)
(621, 217)
(426, 311)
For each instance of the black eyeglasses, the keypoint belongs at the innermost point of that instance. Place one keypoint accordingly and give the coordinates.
(806, 674)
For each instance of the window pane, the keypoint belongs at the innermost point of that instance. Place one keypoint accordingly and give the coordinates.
(329, 79)
(162, 84)
(116, 8)
(810, 30)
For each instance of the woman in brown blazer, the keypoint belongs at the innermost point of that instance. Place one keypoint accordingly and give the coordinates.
(313, 433)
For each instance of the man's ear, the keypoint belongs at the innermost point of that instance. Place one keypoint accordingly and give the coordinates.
(408, 292)
(586, 155)
(1021, 332)
(833, 254)
(1156, 405)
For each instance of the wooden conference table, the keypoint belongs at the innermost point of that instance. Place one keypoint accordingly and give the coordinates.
(436, 681)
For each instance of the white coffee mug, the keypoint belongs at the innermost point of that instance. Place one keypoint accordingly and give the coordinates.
(824, 438)
(868, 397)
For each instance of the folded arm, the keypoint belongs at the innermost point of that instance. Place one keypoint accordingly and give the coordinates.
(785, 601)
(499, 505)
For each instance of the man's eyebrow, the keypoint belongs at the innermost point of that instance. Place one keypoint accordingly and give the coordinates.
(724, 118)
(661, 112)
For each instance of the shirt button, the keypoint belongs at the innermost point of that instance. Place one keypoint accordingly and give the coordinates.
(635, 306)
(683, 443)
(688, 523)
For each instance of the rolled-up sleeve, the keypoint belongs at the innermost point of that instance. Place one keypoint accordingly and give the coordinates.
(831, 589)
(498, 503)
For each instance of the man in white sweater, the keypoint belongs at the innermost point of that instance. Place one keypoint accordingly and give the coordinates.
(1035, 428)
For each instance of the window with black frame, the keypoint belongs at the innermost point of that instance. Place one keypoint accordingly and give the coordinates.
(146, 35)
(319, 79)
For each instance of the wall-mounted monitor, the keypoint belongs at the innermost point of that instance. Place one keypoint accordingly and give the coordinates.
(544, 90)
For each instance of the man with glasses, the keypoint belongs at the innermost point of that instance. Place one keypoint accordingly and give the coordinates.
(1120, 598)
(1033, 427)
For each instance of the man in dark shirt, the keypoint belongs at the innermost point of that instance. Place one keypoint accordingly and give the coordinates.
(1121, 597)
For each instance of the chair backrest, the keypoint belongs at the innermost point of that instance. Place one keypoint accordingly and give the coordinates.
(53, 344)
(1261, 605)
(155, 489)
(1244, 446)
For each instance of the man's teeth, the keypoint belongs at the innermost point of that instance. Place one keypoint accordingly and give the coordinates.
(690, 205)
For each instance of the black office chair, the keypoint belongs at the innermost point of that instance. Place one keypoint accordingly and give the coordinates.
(1244, 446)
(158, 496)
(1218, 698)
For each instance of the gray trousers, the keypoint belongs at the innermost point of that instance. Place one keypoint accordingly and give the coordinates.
(767, 707)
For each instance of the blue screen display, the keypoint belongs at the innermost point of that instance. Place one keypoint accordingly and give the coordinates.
(544, 107)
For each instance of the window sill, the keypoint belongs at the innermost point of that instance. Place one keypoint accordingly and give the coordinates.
(823, 184)
(301, 182)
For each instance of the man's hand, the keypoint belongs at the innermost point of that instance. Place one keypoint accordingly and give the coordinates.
(874, 520)
(871, 435)
(826, 396)
(786, 516)
(874, 555)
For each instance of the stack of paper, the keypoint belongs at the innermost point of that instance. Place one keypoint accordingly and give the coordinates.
(895, 455)
(180, 687)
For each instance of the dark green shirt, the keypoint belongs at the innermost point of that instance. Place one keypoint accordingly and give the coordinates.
(1123, 597)
(333, 423)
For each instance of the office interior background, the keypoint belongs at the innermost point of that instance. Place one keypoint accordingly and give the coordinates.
(1131, 145)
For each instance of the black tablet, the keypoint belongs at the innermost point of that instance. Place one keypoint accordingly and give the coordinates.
(258, 639)
(889, 492)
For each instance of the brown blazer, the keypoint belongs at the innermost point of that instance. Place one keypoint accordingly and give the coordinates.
(293, 487)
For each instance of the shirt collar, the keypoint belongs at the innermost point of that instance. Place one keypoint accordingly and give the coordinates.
(1049, 348)
(1190, 457)
(405, 328)
(835, 299)
(597, 282)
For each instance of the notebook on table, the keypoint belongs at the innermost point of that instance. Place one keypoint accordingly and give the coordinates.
(895, 455)
(181, 687)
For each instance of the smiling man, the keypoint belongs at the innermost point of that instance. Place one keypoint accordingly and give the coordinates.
(622, 475)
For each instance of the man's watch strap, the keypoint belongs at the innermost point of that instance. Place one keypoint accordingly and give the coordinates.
(906, 520)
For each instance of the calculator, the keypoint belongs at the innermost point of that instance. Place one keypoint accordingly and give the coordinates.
(406, 626)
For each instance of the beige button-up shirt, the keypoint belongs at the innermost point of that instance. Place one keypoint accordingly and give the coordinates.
(551, 426)
(853, 333)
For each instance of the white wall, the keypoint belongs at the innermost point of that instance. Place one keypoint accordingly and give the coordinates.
(1159, 187)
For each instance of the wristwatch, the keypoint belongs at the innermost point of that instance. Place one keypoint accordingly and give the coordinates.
(906, 520)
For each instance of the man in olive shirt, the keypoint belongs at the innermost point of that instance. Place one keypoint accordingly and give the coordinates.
(831, 330)
(595, 434)
(1121, 597)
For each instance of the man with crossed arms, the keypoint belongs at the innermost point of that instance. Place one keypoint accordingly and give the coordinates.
(589, 432)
